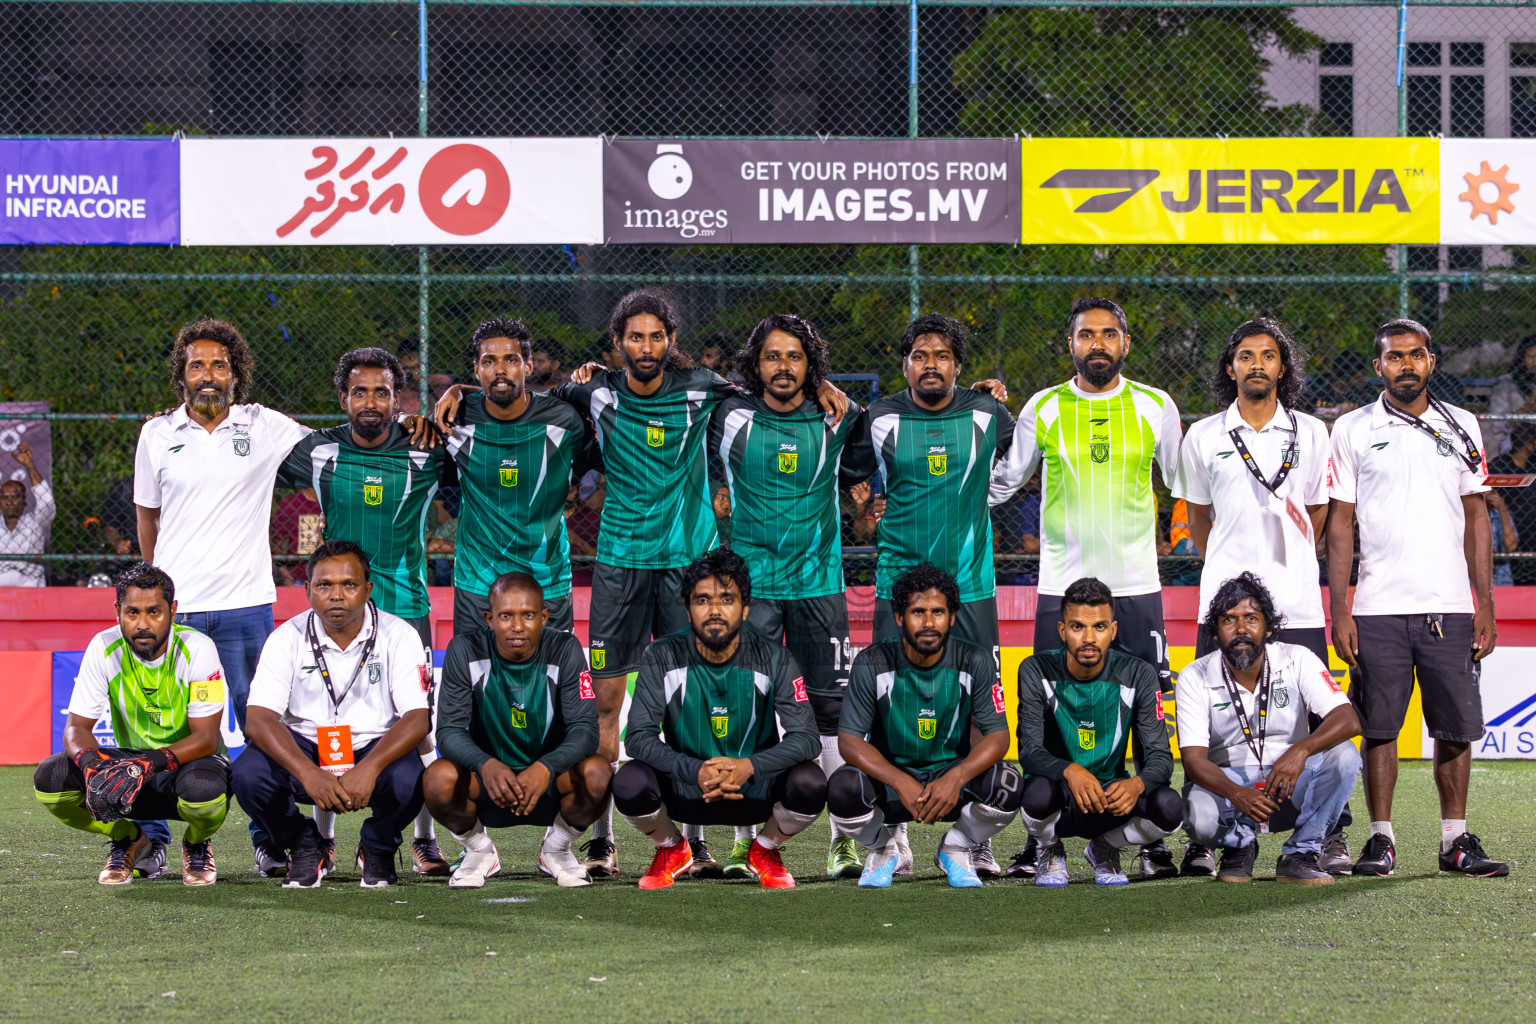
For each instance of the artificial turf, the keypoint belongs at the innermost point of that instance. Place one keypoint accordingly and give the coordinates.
(1412, 947)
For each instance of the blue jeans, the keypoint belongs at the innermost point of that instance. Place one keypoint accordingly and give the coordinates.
(1322, 789)
(239, 634)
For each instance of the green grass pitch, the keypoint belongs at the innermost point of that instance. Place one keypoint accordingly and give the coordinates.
(1414, 947)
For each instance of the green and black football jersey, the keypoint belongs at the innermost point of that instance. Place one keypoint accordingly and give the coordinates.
(920, 718)
(543, 709)
(937, 467)
(783, 471)
(1064, 720)
(686, 710)
(379, 499)
(657, 513)
(513, 478)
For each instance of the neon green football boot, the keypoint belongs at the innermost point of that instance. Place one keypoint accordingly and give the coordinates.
(736, 863)
(843, 859)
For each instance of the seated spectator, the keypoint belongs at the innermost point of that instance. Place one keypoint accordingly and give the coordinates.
(1519, 501)
(1505, 538)
(26, 530)
(1512, 394)
(295, 530)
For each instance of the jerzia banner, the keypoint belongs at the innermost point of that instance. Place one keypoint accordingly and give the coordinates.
(295, 191)
(765, 191)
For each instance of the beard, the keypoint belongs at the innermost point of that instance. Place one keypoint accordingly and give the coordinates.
(145, 644)
(717, 641)
(1406, 393)
(931, 389)
(1099, 368)
(1242, 653)
(370, 429)
(505, 399)
(1257, 388)
(209, 404)
(646, 374)
(927, 641)
(782, 386)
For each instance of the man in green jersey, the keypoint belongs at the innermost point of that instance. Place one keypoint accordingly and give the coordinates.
(1094, 440)
(376, 489)
(703, 734)
(163, 687)
(912, 704)
(935, 444)
(784, 463)
(652, 423)
(518, 731)
(1079, 705)
(516, 452)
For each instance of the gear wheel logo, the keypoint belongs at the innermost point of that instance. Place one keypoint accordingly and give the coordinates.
(1474, 192)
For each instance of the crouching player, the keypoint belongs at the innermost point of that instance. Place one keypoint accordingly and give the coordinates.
(1243, 734)
(905, 733)
(517, 731)
(1079, 707)
(164, 690)
(714, 692)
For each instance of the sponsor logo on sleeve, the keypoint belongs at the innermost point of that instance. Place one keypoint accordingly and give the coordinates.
(997, 699)
(800, 694)
(587, 693)
(1333, 684)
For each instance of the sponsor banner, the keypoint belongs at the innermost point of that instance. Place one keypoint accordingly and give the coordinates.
(90, 192)
(766, 191)
(1211, 191)
(1509, 706)
(1488, 191)
(391, 191)
(37, 435)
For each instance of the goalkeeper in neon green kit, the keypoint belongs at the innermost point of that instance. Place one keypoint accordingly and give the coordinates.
(163, 687)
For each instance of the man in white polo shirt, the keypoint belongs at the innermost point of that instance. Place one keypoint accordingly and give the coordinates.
(337, 708)
(202, 481)
(1254, 764)
(1410, 468)
(1255, 478)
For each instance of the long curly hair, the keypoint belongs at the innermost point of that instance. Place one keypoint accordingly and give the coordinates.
(1292, 385)
(241, 361)
(1232, 592)
(815, 352)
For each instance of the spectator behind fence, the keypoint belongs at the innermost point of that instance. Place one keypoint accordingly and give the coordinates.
(295, 530)
(1513, 394)
(26, 530)
(548, 365)
(1520, 501)
(1016, 531)
(119, 519)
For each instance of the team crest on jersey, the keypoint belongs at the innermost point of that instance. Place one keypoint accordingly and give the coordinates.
(1086, 738)
(1282, 696)
(1098, 451)
(927, 728)
(519, 718)
(375, 673)
(788, 461)
(1442, 447)
(242, 444)
(373, 490)
(719, 722)
(599, 658)
(938, 462)
(1098, 440)
(655, 435)
(509, 473)
(1291, 452)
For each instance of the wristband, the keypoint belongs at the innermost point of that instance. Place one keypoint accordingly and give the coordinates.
(163, 760)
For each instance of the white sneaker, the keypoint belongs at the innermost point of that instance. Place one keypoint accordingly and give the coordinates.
(474, 869)
(563, 867)
(903, 850)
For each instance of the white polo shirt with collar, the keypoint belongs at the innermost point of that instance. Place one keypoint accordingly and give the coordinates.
(1299, 685)
(394, 680)
(29, 538)
(1407, 490)
(214, 493)
(1253, 530)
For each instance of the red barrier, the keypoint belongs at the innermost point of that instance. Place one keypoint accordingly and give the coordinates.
(25, 728)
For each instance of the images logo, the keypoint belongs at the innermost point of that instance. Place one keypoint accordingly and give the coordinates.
(1474, 195)
(669, 177)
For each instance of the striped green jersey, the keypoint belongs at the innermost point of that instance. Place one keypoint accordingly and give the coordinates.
(936, 466)
(379, 499)
(1098, 514)
(513, 478)
(783, 471)
(149, 702)
(657, 512)
(920, 718)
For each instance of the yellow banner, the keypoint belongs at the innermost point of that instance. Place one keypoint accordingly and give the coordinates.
(1209, 191)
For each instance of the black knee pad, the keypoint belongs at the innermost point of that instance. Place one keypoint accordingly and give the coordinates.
(636, 789)
(203, 780)
(1004, 787)
(1040, 797)
(805, 788)
(1165, 808)
(53, 775)
(850, 794)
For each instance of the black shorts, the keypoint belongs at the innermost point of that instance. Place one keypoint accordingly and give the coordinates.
(976, 623)
(493, 815)
(1044, 797)
(852, 794)
(157, 798)
(828, 711)
(1141, 633)
(469, 611)
(630, 608)
(815, 629)
(1313, 638)
(638, 789)
(1396, 648)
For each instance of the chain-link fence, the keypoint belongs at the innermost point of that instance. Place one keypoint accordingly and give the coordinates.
(88, 329)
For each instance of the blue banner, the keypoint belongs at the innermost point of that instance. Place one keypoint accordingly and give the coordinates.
(90, 192)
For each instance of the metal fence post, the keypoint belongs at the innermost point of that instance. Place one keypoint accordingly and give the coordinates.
(424, 371)
(914, 297)
(1402, 131)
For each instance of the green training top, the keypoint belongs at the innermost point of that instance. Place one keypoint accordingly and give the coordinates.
(1064, 720)
(513, 477)
(936, 467)
(379, 499)
(149, 702)
(657, 512)
(784, 470)
(919, 719)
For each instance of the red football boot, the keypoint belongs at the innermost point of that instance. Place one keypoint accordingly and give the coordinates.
(669, 860)
(768, 866)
